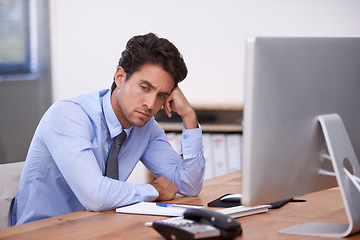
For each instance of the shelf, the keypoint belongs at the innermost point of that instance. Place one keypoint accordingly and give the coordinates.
(212, 117)
(177, 127)
(218, 106)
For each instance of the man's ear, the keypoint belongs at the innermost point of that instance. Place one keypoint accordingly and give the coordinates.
(120, 76)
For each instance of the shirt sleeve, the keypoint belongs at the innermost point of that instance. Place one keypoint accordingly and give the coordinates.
(186, 169)
(70, 136)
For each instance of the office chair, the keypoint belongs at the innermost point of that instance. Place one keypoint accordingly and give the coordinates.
(9, 181)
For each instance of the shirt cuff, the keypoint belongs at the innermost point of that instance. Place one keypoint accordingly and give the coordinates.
(191, 142)
(147, 192)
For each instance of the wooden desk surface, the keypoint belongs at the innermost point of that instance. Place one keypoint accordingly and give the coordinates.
(320, 207)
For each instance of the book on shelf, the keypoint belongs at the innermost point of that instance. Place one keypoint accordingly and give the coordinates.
(222, 152)
(175, 140)
(234, 151)
(208, 155)
(219, 154)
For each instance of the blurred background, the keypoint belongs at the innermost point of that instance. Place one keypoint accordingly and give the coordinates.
(55, 49)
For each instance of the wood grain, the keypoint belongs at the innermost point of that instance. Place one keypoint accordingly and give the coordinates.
(321, 206)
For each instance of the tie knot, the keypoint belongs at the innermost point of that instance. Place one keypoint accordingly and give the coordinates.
(119, 139)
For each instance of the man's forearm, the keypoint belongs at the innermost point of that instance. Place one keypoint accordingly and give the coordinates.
(190, 120)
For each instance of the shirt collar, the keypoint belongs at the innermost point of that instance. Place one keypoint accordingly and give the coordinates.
(112, 122)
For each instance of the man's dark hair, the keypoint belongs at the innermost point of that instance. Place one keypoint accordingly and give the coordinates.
(150, 48)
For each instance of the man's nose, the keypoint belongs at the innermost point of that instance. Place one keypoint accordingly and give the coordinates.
(150, 101)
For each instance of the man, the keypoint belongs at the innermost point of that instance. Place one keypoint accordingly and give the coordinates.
(66, 168)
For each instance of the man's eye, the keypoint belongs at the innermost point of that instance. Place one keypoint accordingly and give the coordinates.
(144, 88)
(161, 96)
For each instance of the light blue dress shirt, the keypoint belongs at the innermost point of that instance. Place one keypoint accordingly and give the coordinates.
(65, 166)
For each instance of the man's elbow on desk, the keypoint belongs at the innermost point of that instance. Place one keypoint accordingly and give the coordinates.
(94, 208)
(191, 184)
(192, 187)
(96, 204)
(192, 191)
(121, 194)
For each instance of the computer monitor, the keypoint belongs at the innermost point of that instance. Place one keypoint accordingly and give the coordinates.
(299, 95)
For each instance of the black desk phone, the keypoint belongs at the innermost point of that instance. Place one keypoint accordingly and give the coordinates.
(198, 224)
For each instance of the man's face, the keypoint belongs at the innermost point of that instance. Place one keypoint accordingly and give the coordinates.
(136, 100)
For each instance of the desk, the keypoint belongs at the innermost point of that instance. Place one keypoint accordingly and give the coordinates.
(321, 206)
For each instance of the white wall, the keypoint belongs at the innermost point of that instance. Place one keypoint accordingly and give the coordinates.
(89, 35)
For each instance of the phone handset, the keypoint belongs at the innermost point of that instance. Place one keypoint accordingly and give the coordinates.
(228, 226)
(199, 224)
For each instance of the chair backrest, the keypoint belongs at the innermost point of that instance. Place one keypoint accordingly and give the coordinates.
(9, 181)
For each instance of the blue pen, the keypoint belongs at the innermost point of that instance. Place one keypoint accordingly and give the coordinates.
(176, 205)
(164, 205)
(168, 205)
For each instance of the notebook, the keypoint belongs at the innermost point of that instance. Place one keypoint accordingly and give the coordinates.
(155, 208)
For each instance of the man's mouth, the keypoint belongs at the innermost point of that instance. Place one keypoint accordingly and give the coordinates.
(144, 114)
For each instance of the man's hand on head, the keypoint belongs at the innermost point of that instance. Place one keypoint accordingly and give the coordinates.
(166, 188)
(178, 103)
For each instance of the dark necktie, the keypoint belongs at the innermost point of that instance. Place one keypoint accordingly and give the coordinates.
(112, 169)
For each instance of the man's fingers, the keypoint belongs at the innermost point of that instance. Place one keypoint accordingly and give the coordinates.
(165, 187)
(167, 107)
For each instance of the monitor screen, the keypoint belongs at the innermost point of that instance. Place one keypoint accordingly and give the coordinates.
(289, 83)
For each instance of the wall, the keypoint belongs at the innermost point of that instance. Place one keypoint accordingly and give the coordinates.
(88, 37)
(23, 102)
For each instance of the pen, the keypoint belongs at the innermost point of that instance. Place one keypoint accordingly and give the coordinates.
(166, 205)
(176, 205)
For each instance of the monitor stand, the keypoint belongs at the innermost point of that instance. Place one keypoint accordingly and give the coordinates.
(340, 151)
